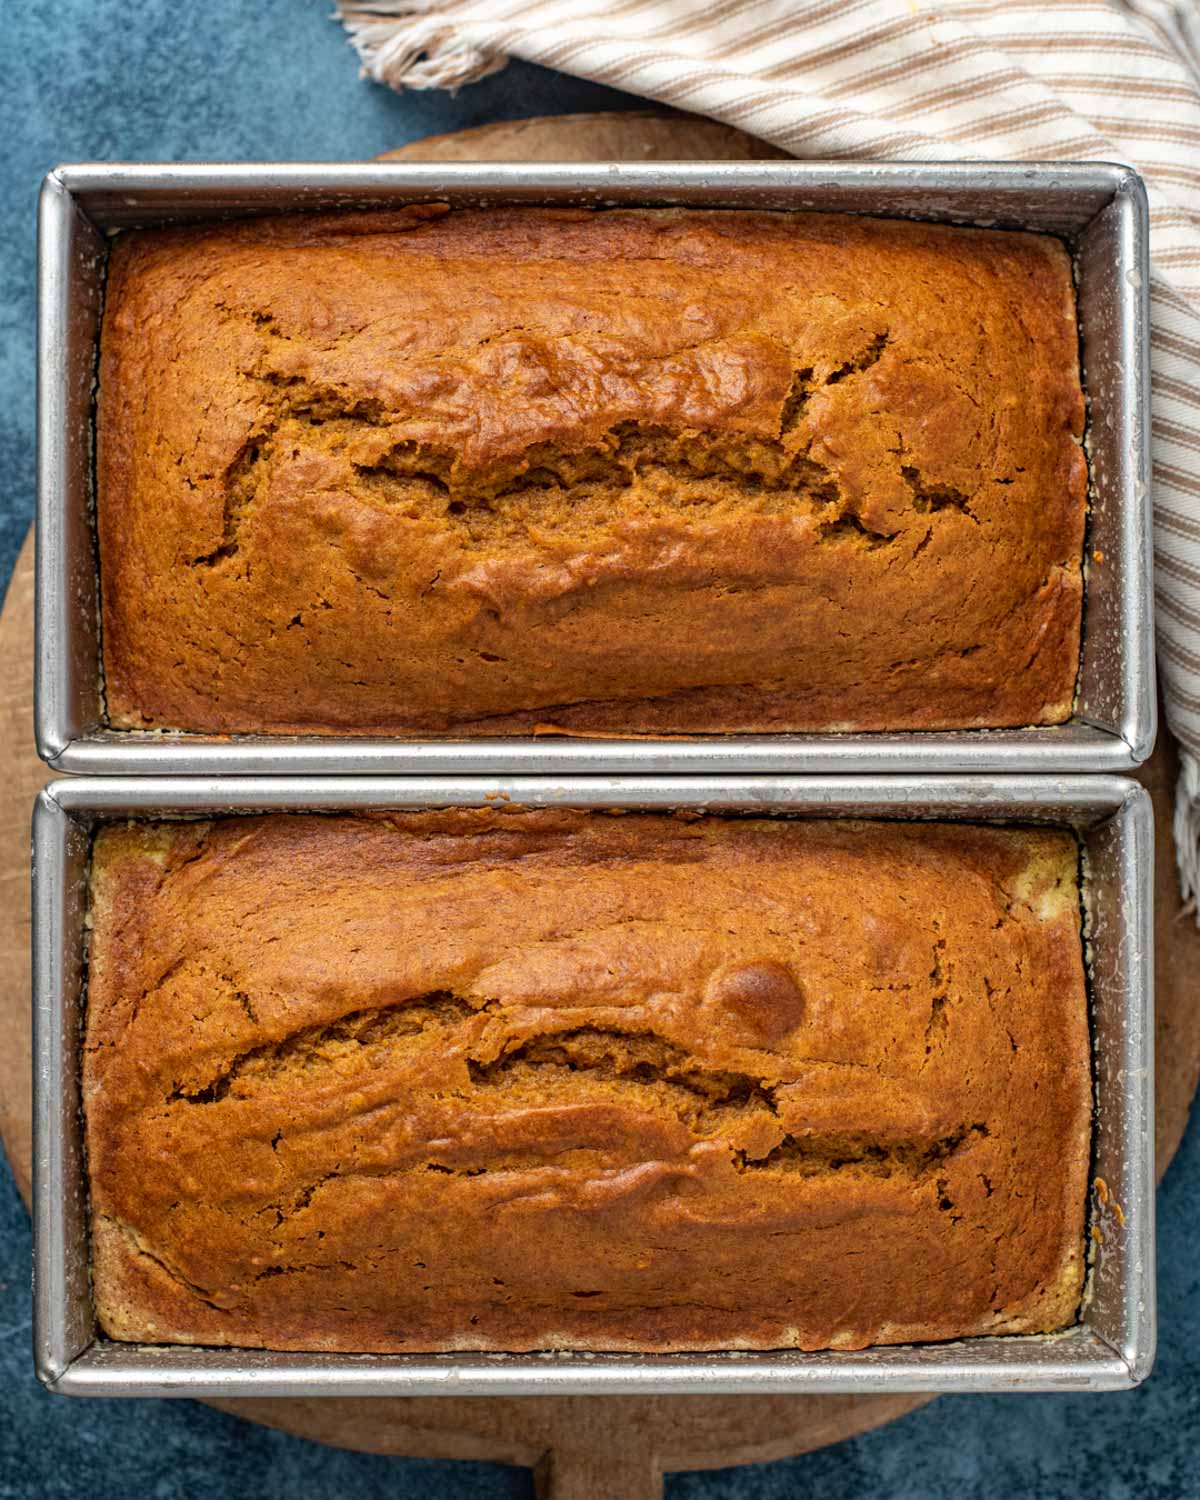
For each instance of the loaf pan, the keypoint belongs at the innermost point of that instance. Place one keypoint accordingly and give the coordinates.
(1099, 208)
(1111, 1348)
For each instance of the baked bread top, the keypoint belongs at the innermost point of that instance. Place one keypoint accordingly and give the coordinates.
(630, 471)
(503, 1080)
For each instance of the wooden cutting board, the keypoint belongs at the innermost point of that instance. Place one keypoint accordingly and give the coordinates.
(580, 1447)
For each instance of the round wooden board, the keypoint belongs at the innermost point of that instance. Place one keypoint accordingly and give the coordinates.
(579, 1446)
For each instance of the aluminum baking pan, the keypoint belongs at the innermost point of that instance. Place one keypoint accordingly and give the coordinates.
(1099, 208)
(1111, 1348)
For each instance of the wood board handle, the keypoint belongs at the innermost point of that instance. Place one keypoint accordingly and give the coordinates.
(566, 1474)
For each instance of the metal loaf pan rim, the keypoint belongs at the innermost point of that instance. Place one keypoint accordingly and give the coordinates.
(1115, 728)
(1112, 1349)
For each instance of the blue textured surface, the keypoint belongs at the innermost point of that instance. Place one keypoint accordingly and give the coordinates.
(93, 79)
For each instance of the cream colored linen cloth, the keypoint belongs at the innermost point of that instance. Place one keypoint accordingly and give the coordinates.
(915, 80)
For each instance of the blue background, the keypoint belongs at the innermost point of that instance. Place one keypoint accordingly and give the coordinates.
(104, 79)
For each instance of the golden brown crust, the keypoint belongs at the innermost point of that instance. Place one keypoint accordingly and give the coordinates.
(541, 1080)
(631, 471)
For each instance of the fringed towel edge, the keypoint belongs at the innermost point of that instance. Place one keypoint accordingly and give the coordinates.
(412, 44)
(1187, 830)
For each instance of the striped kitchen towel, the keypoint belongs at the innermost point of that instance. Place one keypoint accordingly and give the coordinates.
(920, 80)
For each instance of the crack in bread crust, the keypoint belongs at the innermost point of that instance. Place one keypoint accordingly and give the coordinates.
(507, 502)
